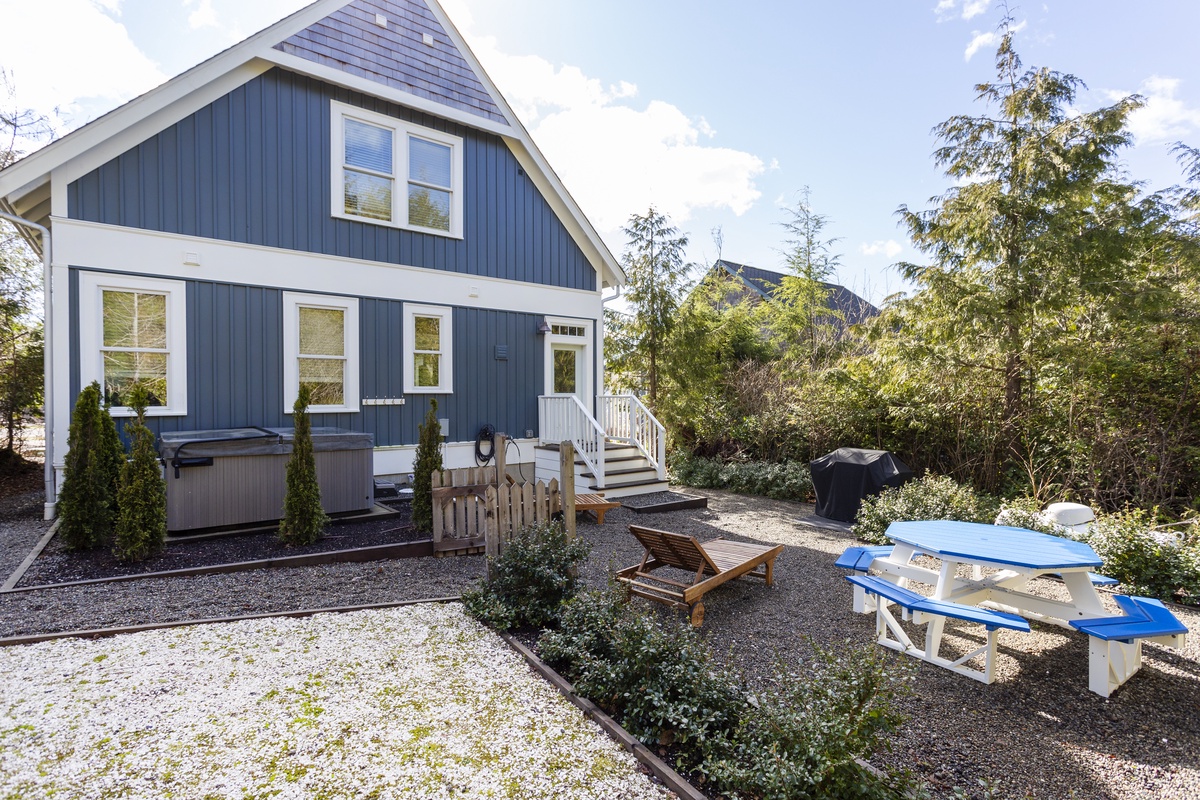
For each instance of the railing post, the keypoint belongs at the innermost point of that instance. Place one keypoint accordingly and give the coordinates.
(662, 452)
(566, 484)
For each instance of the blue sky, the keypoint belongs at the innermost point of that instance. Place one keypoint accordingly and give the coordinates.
(716, 112)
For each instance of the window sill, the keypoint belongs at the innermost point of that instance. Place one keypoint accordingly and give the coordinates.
(451, 234)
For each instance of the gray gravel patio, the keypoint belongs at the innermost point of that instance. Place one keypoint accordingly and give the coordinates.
(1037, 731)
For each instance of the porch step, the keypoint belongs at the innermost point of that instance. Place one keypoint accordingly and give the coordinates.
(641, 472)
(631, 488)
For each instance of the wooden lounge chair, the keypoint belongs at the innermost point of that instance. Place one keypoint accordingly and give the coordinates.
(596, 504)
(712, 563)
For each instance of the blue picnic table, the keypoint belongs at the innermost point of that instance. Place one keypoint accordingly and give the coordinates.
(983, 576)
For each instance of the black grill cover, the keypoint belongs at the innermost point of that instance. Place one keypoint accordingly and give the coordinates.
(844, 477)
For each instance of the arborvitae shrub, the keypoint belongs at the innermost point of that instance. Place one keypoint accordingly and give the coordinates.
(429, 461)
(142, 518)
(303, 518)
(87, 503)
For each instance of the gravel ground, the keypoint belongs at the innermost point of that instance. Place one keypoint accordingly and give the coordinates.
(1037, 731)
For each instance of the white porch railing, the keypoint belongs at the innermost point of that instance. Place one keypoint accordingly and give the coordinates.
(563, 418)
(626, 419)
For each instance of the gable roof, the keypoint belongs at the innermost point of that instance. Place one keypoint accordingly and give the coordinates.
(416, 58)
(763, 282)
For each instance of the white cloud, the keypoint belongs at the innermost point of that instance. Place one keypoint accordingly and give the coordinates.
(945, 9)
(890, 248)
(91, 66)
(948, 9)
(1165, 117)
(980, 41)
(618, 156)
(973, 8)
(205, 16)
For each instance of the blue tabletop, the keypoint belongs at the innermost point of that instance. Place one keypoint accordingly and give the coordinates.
(995, 544)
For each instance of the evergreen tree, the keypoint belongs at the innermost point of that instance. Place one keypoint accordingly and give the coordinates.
(91, 474)
(657, 284)
(429, 461)
(304, 519)
(1039, 213)
(800, 315)
(142, 500)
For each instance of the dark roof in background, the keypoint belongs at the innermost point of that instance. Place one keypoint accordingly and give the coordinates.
(853, 308)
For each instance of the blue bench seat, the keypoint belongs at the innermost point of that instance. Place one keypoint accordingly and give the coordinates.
(1096, 578)
(906, 598)
(1145, 618)
(859, 558)
(1115, 643)
(933, 614)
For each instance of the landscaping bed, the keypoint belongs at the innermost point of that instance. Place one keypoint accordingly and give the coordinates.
(1055, 736)
(57, 565)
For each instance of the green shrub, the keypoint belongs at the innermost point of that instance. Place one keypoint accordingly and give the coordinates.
(659, 680)
(141, 529)
(536, 572)
(928, 497)
(304, 519)
(657, 677)
(1143, 564)
(784, 480)
(87, 503)
(428, 461)
(803, 741)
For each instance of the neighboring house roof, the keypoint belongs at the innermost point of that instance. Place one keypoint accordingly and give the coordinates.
(852, 308)
(416, 58)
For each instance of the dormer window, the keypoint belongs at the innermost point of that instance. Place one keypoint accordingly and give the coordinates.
(389, 172)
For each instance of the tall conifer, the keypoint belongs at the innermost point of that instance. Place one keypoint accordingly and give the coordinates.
(429, 460)
(87, 503)
(304, 519)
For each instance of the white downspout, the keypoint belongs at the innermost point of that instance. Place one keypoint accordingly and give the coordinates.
(47, 359)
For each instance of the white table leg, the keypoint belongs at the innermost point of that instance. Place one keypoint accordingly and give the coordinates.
(1084, 596)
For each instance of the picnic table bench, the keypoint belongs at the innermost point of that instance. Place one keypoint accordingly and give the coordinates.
(712, 563)
(917, 607)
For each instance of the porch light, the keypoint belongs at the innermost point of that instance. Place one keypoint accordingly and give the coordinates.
(543, 327)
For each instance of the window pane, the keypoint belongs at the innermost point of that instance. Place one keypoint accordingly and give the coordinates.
(123, 370)
(368, 146)
(428, 208)
(368, 195)
(325, 378)
(134, 319)
(428, 333)
(322, 332)
(427, 369)
(428, 162)
(564, 371)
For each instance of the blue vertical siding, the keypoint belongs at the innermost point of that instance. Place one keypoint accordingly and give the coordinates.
(254, 167)
(235, 367)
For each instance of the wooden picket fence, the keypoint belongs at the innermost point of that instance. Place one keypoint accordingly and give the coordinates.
(473, 509)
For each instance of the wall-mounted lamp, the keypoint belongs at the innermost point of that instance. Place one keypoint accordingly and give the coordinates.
(543, 327)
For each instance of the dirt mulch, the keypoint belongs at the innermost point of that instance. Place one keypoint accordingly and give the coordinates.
(58, 565)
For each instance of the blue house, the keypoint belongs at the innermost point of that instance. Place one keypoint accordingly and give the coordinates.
(343, 201)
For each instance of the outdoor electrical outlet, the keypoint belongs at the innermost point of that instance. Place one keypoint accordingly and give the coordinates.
(528, 433)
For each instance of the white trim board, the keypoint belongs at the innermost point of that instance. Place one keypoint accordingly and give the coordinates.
(399, 460)
(90, 245)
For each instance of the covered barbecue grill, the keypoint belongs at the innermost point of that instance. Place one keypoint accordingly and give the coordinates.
(844, 477)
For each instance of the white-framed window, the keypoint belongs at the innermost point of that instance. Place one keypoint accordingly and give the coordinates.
(134, 330)
(320, 350)
(390, 172)
(428, 349)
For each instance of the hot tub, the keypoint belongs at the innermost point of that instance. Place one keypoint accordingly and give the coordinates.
(236, 476)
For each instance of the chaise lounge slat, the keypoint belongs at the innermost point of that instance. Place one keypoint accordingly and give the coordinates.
(711, 564)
